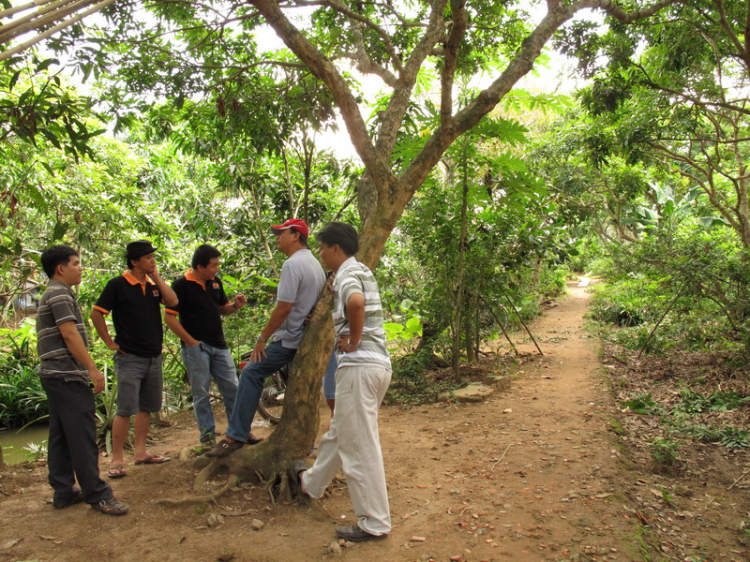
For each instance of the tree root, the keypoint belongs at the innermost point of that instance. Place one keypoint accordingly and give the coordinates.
(232, 482)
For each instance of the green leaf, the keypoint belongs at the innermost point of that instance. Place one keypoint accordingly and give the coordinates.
(414, 324)
(266, 281)
(393, 329)
(45, 64)
(59, 231)
(13, 80)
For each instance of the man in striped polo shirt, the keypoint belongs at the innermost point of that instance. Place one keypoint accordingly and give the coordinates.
(363, 375)
(67, 370)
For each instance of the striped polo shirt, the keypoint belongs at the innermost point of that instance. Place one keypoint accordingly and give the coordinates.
(57, 306)
(352, 278)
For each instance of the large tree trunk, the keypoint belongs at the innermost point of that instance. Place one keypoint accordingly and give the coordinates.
(383, 195)
(296, 432)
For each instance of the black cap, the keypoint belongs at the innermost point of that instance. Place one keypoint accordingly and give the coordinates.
(139, 248)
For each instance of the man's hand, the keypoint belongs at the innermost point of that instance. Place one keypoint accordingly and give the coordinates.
(115, 346)
(239, 301)
(97, 378)
(259, 352)
(346, 345)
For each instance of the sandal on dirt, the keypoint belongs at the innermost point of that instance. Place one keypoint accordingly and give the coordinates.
(153, 459)
(116, 471)
(224, 448)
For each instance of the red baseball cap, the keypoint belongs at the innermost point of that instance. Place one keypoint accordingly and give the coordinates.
(296, 224)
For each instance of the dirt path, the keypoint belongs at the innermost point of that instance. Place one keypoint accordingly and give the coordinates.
(529, 474)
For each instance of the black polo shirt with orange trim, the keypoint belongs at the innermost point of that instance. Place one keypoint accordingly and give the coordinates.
(199, 308)
(136, 314)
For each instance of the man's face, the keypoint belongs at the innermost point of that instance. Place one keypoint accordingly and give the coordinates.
(146, 263)
(326, 255)
(70, 273)
(209, 272)
(285, 240)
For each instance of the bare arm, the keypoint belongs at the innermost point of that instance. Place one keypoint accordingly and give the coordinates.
(174, 324)
(74, 343)
(355, 313)
(279, 314)
(97, 317)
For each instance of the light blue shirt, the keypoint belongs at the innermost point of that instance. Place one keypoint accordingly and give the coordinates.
(302, 279)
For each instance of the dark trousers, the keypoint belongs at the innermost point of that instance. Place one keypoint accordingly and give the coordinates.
(71, 451)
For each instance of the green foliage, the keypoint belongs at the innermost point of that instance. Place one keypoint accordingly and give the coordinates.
(630, 302)
(406, 324)
(22, 399)
(665, 451)
(703, 276)
(734, 438)
(679, 421)
(642, 404)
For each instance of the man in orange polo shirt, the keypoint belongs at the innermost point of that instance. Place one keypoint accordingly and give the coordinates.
(134, 299)
(197, 322)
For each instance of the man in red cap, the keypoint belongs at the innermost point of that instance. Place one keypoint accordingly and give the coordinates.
(301, 281)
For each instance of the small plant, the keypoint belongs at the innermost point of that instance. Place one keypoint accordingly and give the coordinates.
(665, 451)
(36, 451)
(703, 433)
(734, 438)
(666, 495)
(692, 402)
(642, 404)
(724, 401)
(106, 408)
(404, 334)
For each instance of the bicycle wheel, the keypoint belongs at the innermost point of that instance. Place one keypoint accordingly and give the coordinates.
(271, 404)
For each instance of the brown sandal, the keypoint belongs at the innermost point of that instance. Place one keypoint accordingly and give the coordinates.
(224, 448)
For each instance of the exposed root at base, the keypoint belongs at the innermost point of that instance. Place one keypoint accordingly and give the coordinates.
(232, 482)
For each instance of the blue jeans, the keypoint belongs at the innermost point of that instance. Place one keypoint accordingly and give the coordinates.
(203, 362)
(251, 387)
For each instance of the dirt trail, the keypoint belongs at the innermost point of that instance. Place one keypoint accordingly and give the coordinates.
(529, 474)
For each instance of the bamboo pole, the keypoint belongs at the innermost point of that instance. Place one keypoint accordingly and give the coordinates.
(5, 55)
(70, 7)
(16, 9)
(35, 17)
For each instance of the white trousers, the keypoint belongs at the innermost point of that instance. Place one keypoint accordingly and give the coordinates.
(353, 444)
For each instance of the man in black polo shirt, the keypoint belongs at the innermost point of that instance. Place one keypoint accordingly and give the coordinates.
(134, 300)
(202, 304)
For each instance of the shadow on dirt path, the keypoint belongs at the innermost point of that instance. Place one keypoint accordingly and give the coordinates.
(529, 474)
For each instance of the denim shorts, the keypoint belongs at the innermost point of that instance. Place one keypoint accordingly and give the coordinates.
(139, 383)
